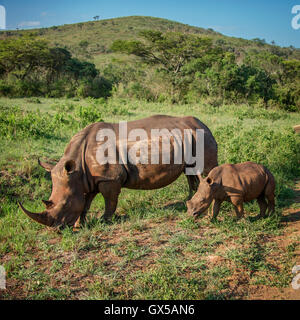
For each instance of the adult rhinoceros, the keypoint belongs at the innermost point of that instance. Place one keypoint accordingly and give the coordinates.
(79, 175)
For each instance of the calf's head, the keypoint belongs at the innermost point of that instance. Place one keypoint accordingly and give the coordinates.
(67, 199)
(203, 197)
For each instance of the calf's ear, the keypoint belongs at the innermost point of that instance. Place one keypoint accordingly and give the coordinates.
(209, 180)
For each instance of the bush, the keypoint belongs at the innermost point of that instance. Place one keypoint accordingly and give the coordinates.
(87, 115)
(97, 88)
(15, 122)
(288, 98)
(30, 67)
(6, 89)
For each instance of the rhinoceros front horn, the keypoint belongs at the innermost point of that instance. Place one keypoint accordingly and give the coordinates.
(43, 217)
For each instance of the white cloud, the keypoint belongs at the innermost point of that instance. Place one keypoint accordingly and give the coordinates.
(29, 24)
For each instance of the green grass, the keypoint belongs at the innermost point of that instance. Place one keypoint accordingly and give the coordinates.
(152, 250)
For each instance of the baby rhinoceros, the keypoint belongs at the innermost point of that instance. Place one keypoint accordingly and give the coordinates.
(236, 183)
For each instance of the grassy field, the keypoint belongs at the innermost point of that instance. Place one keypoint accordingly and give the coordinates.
(152, 249)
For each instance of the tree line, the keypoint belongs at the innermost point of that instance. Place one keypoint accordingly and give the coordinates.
(172, 67)
(190, 68)
(30, 67)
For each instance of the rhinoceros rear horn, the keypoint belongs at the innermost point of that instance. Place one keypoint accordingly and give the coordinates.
(48, 204)
(48, 167)
(43, 217)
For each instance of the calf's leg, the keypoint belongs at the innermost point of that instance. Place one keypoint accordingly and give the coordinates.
(262, 205)
(216, 209)
(238, 206)
(270, 195)
(271, 205)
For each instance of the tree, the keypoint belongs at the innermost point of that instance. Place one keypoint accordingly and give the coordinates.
(59, 57)
(171, 50)
(23, 55)
(29, 66)
(80, 69)
(259, 42)
(96, 17)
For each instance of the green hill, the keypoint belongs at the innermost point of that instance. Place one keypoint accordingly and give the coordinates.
(92, 40)
(151, 59)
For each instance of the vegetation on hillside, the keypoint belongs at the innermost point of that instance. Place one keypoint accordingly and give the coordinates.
(177, 64)
(192, 67)
(30, 67)
(94, 38)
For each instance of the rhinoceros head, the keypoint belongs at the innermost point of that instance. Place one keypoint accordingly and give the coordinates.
(67, 199)
(202, 198)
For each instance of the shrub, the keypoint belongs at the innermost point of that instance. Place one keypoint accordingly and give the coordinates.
(87, 115)
(15, 122)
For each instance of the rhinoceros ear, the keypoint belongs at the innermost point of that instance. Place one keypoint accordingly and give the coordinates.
(209, 180)
(48, 167)
(70, 166)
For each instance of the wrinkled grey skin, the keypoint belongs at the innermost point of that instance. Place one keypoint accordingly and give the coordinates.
(235, 183)
(78, 177)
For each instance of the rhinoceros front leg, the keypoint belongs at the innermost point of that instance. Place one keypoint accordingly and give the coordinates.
(110, 192)
(193, 185)
(82, 218)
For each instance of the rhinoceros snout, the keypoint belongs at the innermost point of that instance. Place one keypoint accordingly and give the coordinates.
(191, 210)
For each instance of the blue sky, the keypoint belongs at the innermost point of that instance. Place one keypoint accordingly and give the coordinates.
(267, 19)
